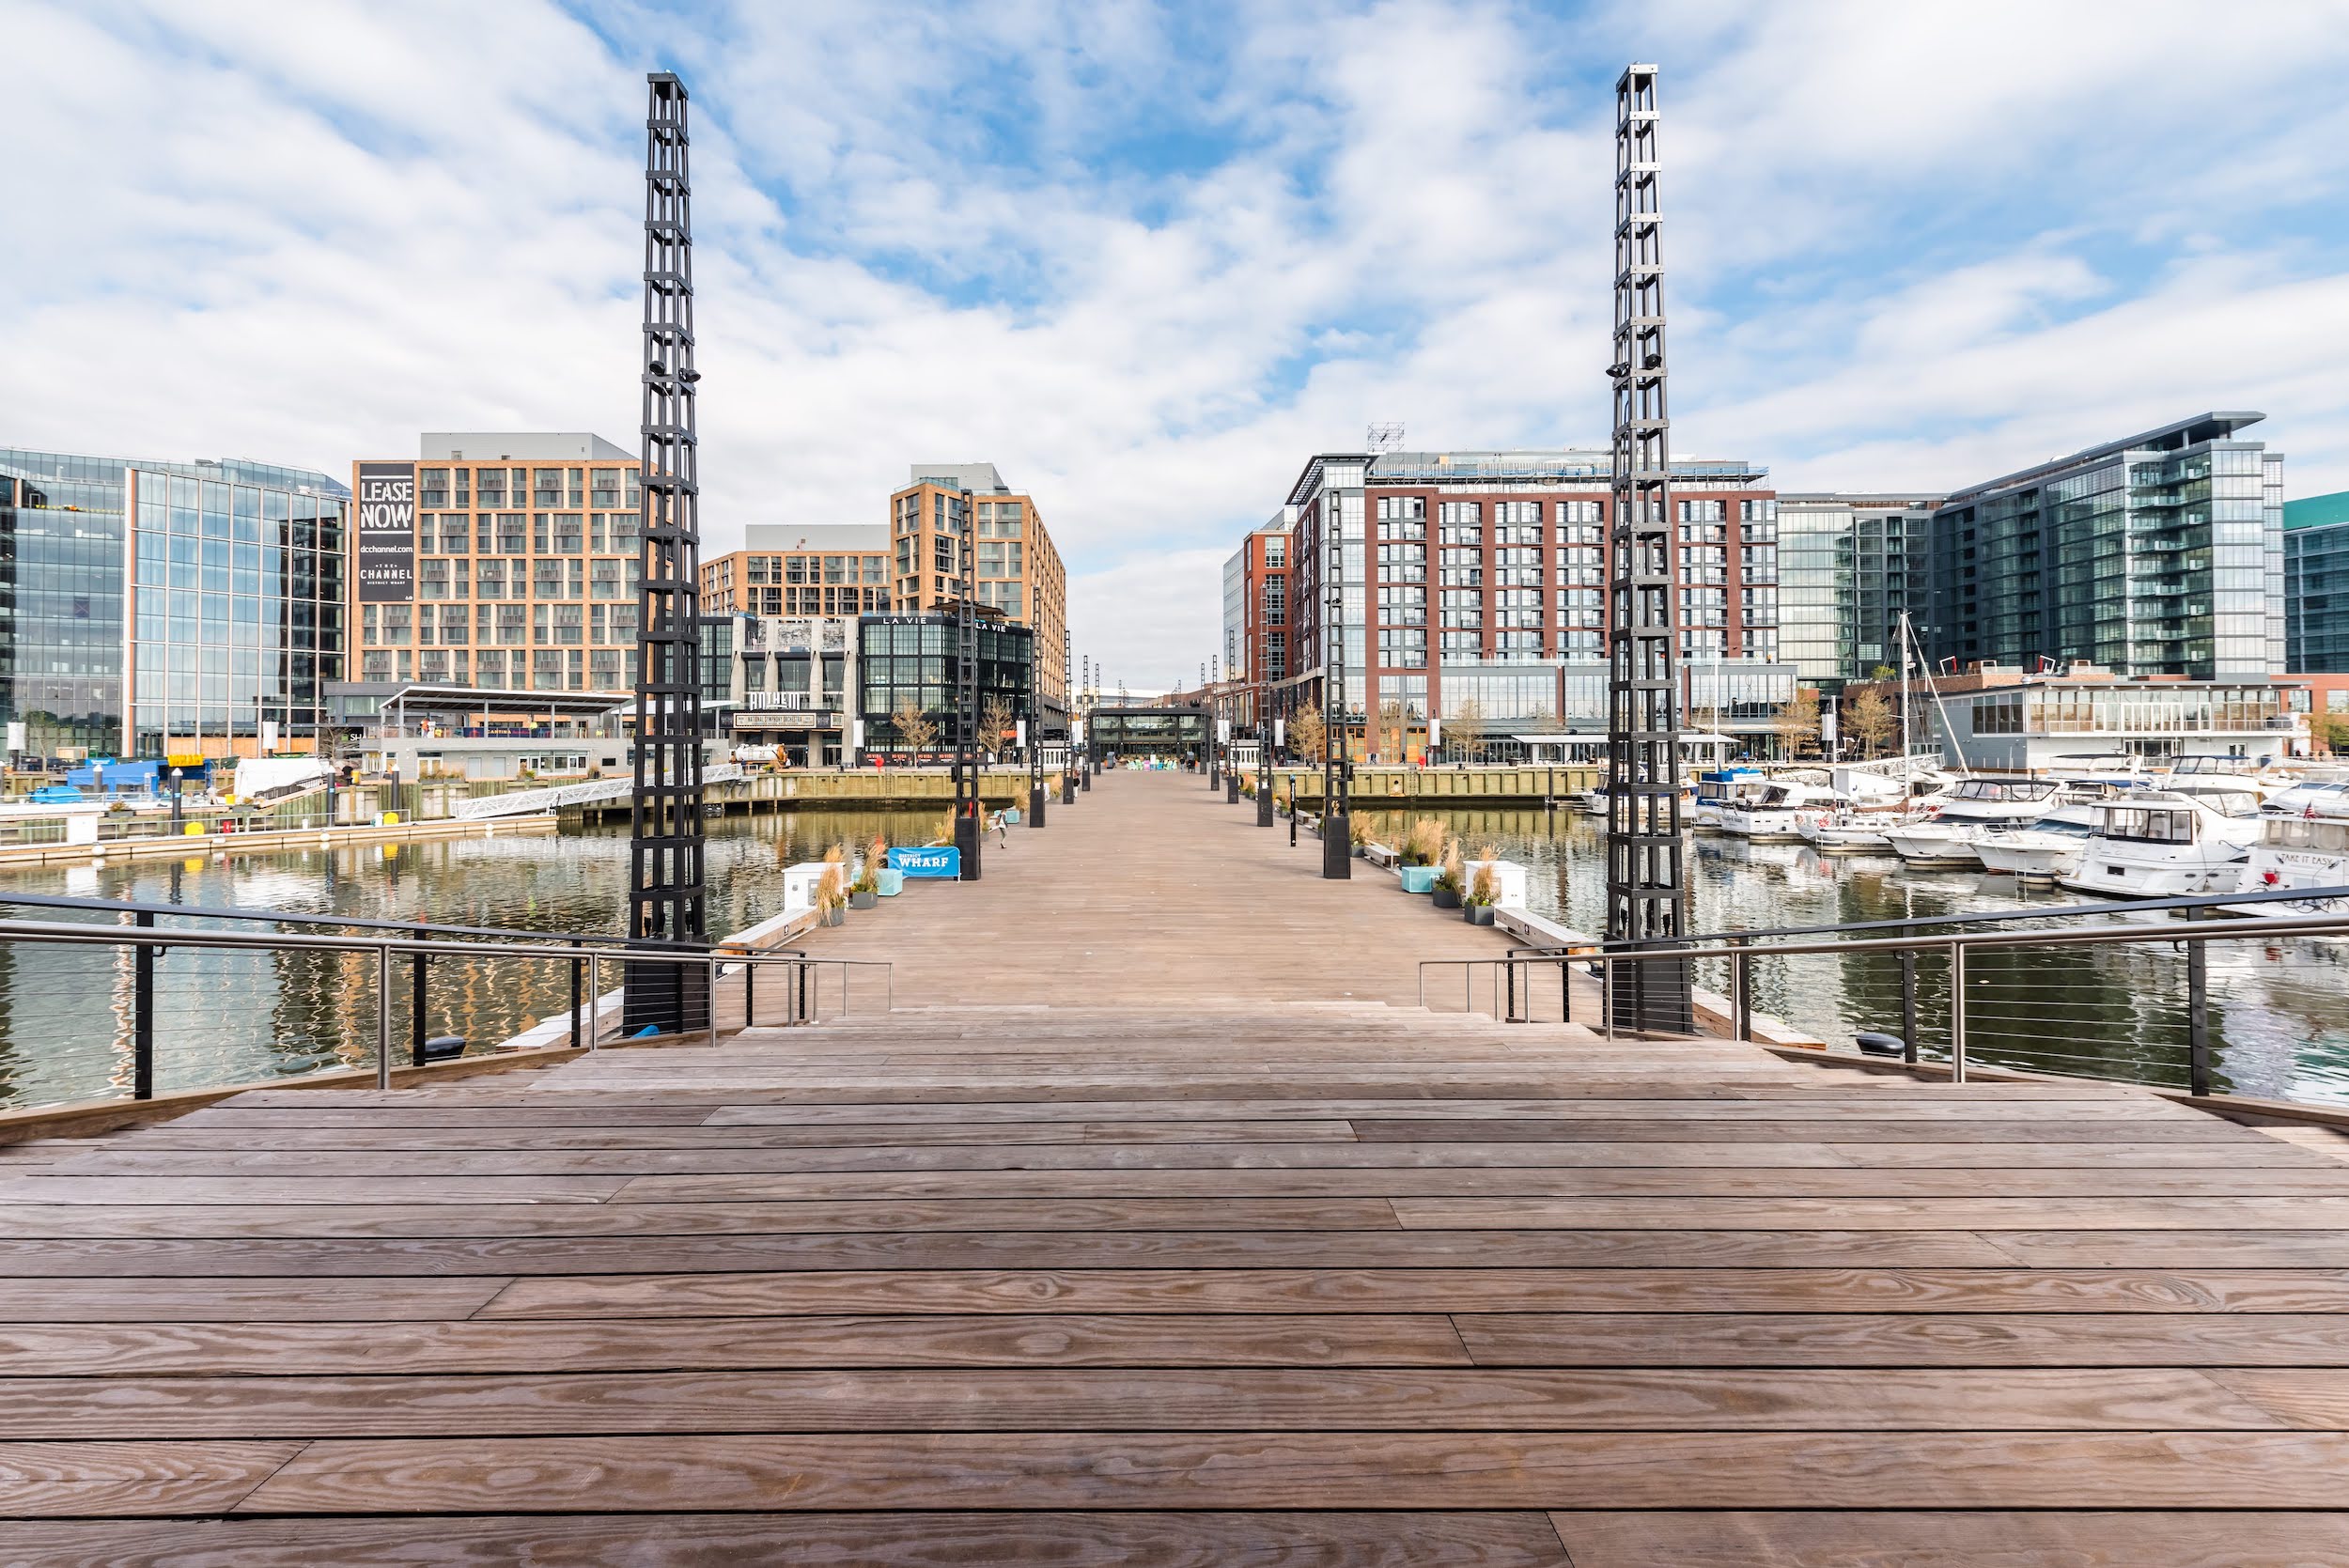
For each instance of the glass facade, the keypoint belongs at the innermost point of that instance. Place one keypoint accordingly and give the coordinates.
(2162, 554)
(2316, 599)
(169, 609)
(1848, 566)
(913, 658)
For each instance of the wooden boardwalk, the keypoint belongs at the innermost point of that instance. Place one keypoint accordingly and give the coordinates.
(1227, 1274)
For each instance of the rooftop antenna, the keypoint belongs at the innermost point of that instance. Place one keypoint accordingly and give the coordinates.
(1645, 886)
(1385, 436)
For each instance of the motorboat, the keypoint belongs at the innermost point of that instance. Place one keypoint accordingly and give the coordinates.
(1778, 813)
(1717, 788)
(2304, 848)
(2046, 850)
(2169, 844)
(1850, 833)
(1965, 812)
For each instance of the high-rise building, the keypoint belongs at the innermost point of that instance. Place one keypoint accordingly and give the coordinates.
(1847, 566)
(1019, 572)
(1256, 621)
(825, 570)
(1474, 584)
(504, 561)
(167, 609)
(2316, 585)
(2159, 555)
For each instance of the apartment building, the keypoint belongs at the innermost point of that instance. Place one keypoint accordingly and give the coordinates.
(2316, 585)
(834, 569)
(1018, 569)
(505, 561)
(1475, 583)
(1256, 619)
(1849, 565)
(2160, 554)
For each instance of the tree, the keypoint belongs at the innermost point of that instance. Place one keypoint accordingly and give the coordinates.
(1797, 723)
(1307, 733)
(2330, 731)
(1871, 719)
(1465, 729)
(996, 721)
(915, 731)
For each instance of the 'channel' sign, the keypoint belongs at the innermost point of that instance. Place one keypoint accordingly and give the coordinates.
(942, 861)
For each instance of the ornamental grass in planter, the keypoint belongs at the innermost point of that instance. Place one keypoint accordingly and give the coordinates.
(831, 887)
(1447, 884)
(865, 890)
(1423, 851)
(1483, 888)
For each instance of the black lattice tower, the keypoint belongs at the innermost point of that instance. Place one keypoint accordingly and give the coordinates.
(1644, 886)
(666, 891)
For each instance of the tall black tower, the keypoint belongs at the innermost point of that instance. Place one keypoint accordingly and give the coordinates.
(667, 903)
(1644, 886)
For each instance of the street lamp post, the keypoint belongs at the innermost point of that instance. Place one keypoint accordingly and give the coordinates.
(1035, 738)
(177, 778)
(967, 825)
(1267, 731)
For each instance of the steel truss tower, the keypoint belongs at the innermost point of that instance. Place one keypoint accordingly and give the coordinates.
(666, 893)
(1644, 886)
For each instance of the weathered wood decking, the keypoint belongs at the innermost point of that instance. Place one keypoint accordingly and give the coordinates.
(1226, 1278)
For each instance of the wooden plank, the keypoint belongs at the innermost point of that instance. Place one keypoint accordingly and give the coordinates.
(1343, 1469)
(44, 1480)
(1887, 1126)
(278, 1348)
(1956, 1540)
(751, 1175)
(2307, 1396)
(233, 1301)
(1385, 1539)
(753, 1255)
(239, 1190)
(2030, 1214)
(1990, 1339)
(1037, 1399)
(1441, 1290)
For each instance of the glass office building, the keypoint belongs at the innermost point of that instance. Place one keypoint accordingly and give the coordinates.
(1847, 566)
(2316, 585)
(903, 658)
(2160, 554)
(159, 609)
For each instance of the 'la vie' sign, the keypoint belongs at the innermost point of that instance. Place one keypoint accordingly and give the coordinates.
(939, 860)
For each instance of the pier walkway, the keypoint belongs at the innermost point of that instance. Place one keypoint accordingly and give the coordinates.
(1132, 1237)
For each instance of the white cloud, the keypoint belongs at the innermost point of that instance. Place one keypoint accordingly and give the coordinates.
(1902, 252)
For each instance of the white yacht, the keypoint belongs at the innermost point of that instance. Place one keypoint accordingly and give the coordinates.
(2046, 850)
(1967, 810)
(2304, 848)
(1720, 787)
(1778, 814)
(2169, 844)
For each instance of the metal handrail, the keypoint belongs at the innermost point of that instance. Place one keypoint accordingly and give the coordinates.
(2193, 937)
(145, 939)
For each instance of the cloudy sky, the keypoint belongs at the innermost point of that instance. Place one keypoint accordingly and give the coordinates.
(1148, 258)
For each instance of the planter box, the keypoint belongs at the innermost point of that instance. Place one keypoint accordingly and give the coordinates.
(891, 883)
(832, 916)
(1477, 914)
(1446, 898)
(1417, 878)
(858, 900)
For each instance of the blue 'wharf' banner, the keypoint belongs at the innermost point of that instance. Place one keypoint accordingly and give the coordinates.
(937, 861)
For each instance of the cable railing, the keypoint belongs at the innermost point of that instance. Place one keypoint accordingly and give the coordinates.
(329, 1000)
(2129, 1002)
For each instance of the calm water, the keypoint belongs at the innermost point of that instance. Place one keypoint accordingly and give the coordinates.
(2280, 1017)
(222, 1017)
(2280, 1012)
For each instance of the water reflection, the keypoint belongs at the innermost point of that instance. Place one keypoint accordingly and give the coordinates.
(225, 1016)
(2279, 1011)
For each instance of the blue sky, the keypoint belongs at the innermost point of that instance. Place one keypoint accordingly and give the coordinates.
(1146, 258)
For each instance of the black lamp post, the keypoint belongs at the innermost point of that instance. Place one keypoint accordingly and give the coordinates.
(177, 776)
(968, 828)
(1266, 732)
(1226, 729)
(1035, 738)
